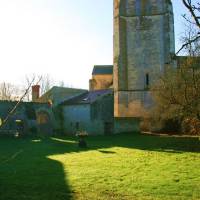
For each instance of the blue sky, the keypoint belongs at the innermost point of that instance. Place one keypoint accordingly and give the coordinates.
(62, 38)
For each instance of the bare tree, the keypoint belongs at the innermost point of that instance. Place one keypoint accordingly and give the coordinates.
(192, 49)
(194, 9)
(27, 82)
(61, 84)
(46, 83)
(12, 111)
(193, 19)
(9, 92)
(176, 94)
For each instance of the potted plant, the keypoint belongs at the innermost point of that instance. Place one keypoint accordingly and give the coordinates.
(82, 135)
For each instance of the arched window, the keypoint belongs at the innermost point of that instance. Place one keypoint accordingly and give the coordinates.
(42, 118)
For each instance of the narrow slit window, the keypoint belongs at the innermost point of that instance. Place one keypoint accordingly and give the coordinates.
(147, 80)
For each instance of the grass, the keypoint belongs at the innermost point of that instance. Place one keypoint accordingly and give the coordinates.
(119, 167)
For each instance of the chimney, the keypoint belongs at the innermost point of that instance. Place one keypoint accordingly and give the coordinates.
(35, 92)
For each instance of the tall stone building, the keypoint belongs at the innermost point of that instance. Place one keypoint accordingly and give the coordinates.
(143, 47)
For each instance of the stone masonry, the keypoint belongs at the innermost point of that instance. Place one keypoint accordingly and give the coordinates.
(143, 48)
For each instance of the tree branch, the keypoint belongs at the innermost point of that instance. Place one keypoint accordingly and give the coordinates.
(20, 100)
(188, 43)
(192, 9)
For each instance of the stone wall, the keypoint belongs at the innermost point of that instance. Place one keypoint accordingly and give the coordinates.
(126, 125)
(97, 118)
(101, 82)
(143, 45)
(26, 111)
(89, 117)
(103, 109)
(78, 118)
(129, 104)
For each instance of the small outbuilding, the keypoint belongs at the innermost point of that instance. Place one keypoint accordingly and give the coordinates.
(93, 112)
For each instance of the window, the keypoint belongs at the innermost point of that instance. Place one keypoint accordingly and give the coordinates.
(42, 118)
(147, 81)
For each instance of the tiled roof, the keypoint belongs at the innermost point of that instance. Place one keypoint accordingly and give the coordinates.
(102, 69)
(59, 94)
(88, 97)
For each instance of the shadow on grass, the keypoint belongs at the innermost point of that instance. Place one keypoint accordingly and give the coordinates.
(107, 152)
(27, 172)
(147, 142)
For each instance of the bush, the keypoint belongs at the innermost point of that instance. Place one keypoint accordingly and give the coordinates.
(191, 126)
(171, 125)
(176, 96)
(145, 125)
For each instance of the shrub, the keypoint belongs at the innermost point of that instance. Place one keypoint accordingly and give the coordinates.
(191, 126)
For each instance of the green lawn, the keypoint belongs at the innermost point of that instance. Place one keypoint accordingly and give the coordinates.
(118, 167)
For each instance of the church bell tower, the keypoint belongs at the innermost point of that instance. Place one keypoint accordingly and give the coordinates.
(143, 47)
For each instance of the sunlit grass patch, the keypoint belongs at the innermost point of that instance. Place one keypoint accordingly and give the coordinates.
(112, 167)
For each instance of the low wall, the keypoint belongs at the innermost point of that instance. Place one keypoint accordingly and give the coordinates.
(126, 125)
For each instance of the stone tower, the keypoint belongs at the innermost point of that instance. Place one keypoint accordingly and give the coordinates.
(143, 47)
